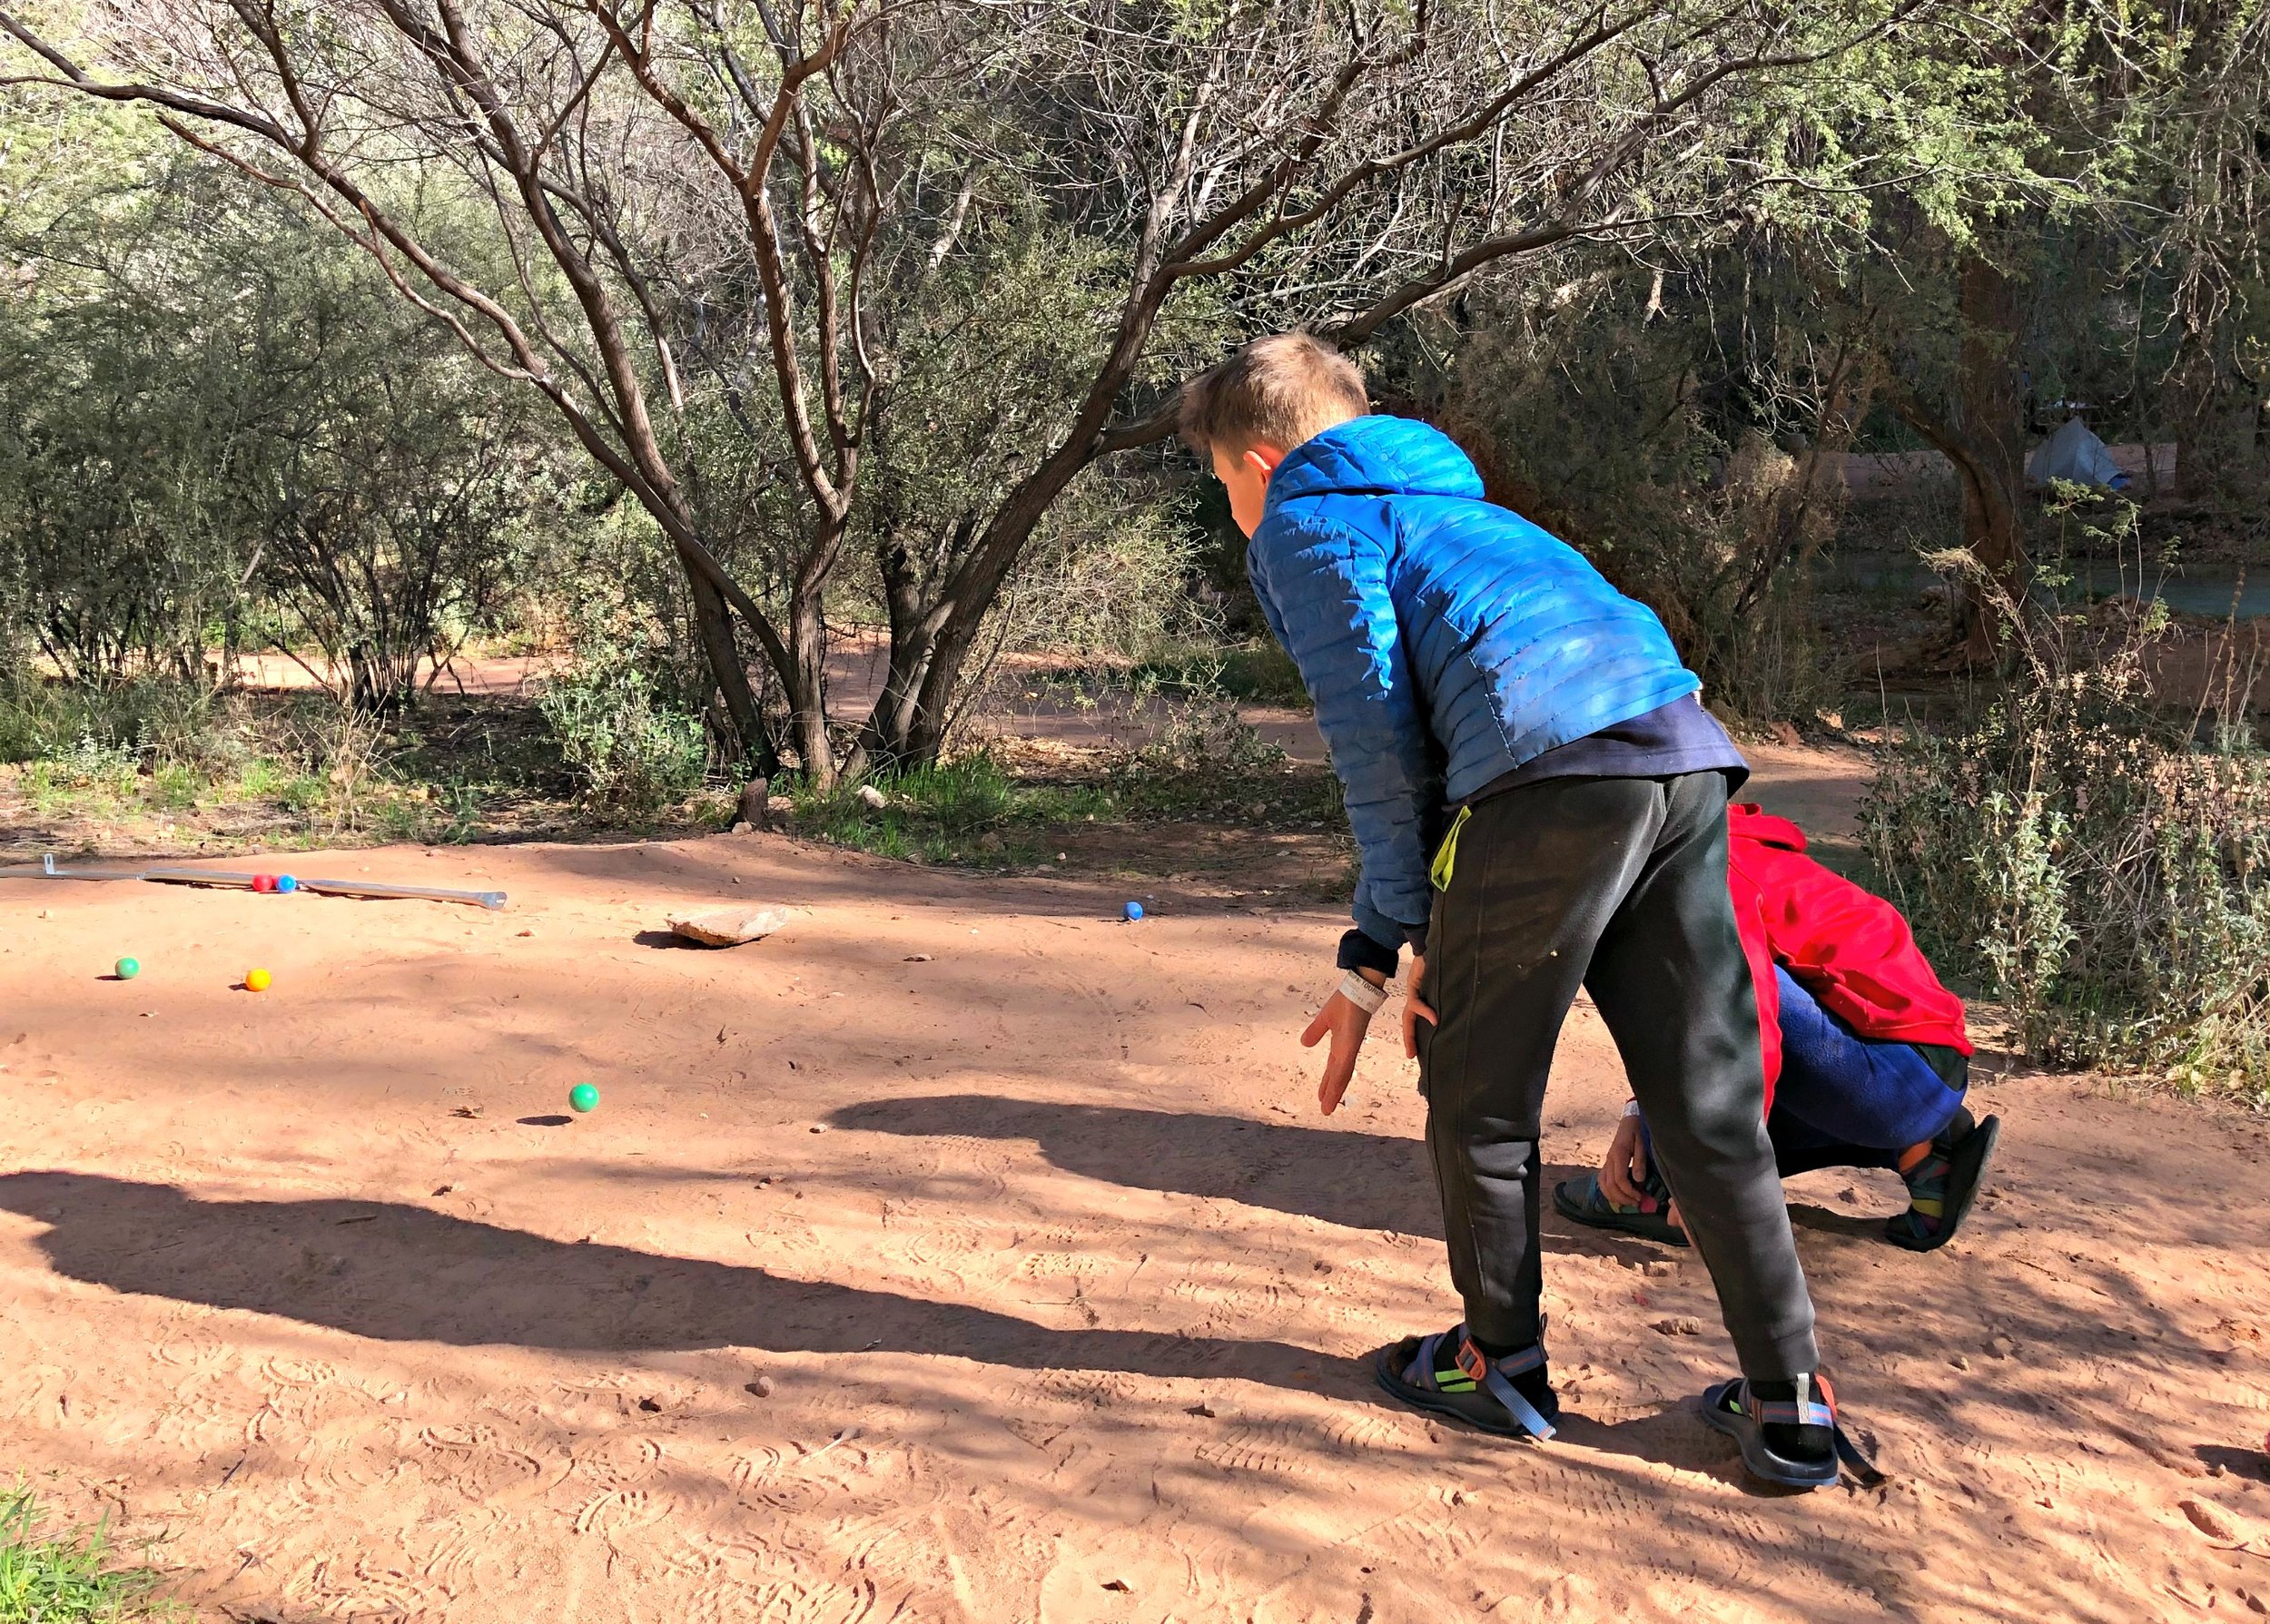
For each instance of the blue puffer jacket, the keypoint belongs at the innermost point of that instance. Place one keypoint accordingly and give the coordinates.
(1445, 641)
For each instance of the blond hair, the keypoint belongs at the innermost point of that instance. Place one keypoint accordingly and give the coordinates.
(1279, 390)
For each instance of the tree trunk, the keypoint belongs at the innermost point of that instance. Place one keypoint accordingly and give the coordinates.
(806, 682)
(954, 618)
(712, 618)
(1992, 428)
(890, 736)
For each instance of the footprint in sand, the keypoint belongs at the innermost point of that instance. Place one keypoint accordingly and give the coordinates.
(1277, 1448)
(1094, 1389)
(1360, 1433)
(620, 1463)
(471, 1460)
(194, 1349)
(469, 1555)
(368, 1589)
(787, 1602)
(621, 1510)
(790, 1481)
(299, 1372)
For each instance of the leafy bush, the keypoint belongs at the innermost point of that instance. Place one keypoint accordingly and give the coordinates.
(1259, 670)
(636, 754)
(162, 719)
(2099, 871)
(89, 763)
(1203, 758)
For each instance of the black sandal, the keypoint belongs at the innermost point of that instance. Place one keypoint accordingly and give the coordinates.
(1733, 1409)
(1447, 1374)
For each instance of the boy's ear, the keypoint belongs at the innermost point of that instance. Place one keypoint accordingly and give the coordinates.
(1261, 459)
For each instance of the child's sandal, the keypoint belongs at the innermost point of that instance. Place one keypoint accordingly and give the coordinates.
(1733, 1409)
(1941, 1188)
(1583, 1201)
(1447, 1374)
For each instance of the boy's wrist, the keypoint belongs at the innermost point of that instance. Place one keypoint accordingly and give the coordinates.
(1362, 991)
(1359, 950)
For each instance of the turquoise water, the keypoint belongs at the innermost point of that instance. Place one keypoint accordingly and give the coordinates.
(2211, 595)
(2215, 597)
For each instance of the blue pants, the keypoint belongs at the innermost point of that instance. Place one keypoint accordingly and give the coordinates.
(1842, 1092)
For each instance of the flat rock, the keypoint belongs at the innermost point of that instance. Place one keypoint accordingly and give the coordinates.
(727, 927)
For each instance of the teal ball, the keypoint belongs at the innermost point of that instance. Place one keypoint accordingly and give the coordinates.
(582, 1097)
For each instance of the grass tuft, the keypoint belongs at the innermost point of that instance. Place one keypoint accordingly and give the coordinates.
(68, 1577)
(967, 811)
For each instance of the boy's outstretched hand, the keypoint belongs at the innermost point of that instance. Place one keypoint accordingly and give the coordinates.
(1347, 1026)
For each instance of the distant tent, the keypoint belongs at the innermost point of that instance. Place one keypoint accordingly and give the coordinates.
(2075, 454)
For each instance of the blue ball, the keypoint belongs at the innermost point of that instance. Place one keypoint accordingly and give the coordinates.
(1134, 910)
(286, 883)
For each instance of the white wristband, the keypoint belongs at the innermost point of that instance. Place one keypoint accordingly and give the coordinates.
(1630, 1108)
(1362, 993)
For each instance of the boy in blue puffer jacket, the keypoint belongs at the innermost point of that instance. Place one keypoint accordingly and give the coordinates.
(1540, 801)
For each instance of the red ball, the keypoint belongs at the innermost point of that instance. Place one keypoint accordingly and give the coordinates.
(263, 883)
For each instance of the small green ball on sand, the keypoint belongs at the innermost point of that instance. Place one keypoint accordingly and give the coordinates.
(582, 1097)
(128, 968)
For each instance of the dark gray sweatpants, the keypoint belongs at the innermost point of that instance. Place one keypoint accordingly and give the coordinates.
(1618, 885)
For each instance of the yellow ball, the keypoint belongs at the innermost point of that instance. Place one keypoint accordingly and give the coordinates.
(256, 980)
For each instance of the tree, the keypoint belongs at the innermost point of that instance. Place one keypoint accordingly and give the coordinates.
(718, 215)
(2134, 127)
(216, 413)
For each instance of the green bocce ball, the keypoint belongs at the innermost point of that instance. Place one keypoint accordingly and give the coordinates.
(582, 1097)
(128, 968)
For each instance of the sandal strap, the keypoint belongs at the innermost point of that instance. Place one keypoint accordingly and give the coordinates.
(1862, 1469)
(1420, 1371)
(1782, 1413)
(1491, 1374)
(1808, 1413)
(1787, 1412)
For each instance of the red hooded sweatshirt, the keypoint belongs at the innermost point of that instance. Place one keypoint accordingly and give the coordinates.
(1850, 949)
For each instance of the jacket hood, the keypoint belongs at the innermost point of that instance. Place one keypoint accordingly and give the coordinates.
(1746, 820)
(1375, 456)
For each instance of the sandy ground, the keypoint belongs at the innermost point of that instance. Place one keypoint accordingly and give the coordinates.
(962, 1254)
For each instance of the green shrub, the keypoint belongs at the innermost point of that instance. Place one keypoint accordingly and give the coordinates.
(2101, 873)
(1204, 759)
(634, 752)
(1259, 670)
(162, 720)
(89, 763)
